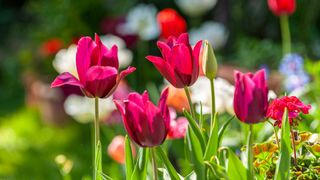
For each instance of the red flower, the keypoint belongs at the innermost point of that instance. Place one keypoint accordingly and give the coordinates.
(179, 63)
(171, 23)
(51, 46)
(282, 7)
(294, 106)
(97, 68)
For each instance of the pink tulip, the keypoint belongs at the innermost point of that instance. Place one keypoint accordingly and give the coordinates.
(178, 128)
(179, 63)
(146, 124)
(251, 96)
(97, 68)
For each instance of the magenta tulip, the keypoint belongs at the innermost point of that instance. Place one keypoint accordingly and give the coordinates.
(146, 124)
(97, 68)
(179, 63)
(251, 96)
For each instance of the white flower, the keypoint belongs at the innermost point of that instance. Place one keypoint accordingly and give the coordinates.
(216, 33)
(201, 92)
(82, 108)
(196, 7)
(141, 20)
(65, 60)
(124, 55)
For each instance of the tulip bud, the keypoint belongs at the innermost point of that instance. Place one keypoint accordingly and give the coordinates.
(209, 62)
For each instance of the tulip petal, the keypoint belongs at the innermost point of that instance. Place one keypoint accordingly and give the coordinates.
(183, 39)
(66, 79)
(83, 56)
(127, 123)
(136, 98)
(110, 58)
(165, 51)
(165, 69)
(126, 72)
(100, 80)
(164, 108)
(196, 56)
(182, 63)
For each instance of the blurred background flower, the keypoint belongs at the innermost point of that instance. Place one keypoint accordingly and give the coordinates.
(195, 7)
(171, 23)
(116, 149)
(141, 20)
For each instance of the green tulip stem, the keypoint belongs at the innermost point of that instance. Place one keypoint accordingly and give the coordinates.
(250, 174)
(213, 102)
(154, 164)
(285, 33)
(97, 157)
(187, 91)
(293, 146)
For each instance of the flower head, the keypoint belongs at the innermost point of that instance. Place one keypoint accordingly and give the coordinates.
(282, 7)
(146, 124)
(171, 23)
(97, 69)
(250, 100)
(294, 106)
(179, 63)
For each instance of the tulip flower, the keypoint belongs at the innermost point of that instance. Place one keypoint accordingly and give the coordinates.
(282, 7)
(97, 69)
(171, 23)
(146, 124)
(250, 97)
(179, 63)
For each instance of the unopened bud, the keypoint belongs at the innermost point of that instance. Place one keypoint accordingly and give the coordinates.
(209, 62)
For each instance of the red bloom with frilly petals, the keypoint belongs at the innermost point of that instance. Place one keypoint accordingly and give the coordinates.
(294, 106)
(171, 23)
(282, 7)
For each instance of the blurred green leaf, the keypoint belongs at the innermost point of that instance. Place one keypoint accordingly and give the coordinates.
(171, 170)
(194, 148)
(222, 129)
(235, 168)
(129, 158)
(212, 145)
(283, 165)
(140, 169)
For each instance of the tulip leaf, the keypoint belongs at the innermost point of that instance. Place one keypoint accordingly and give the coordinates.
(195, 128)
(140, 169)
(235, 168)
(194, 148)
(222, 129)
(98, 163)
(129, 158)
(283, 165)
(171, 170)
(212, 146)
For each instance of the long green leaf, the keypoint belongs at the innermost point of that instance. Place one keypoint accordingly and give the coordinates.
(140, 169)
(171, 170)
(283, 165)
(212, 146)
(195, 128)
(98, 163)
(222, 129)
(194, 148)
(235, 168)
(129, 158)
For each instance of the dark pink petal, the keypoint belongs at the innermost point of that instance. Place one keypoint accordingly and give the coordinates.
(126, 72)
(164, 108)
(165, 69)
(128, 124)
(157, 125)
(100, 80)
(182, 59)
(183, 39)
(165, 51)
(110, 58)
(98, 52)
(178, 128)
(196, 56)
(83, 56)
(136, 98)
(139, 124)
(66, 79)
